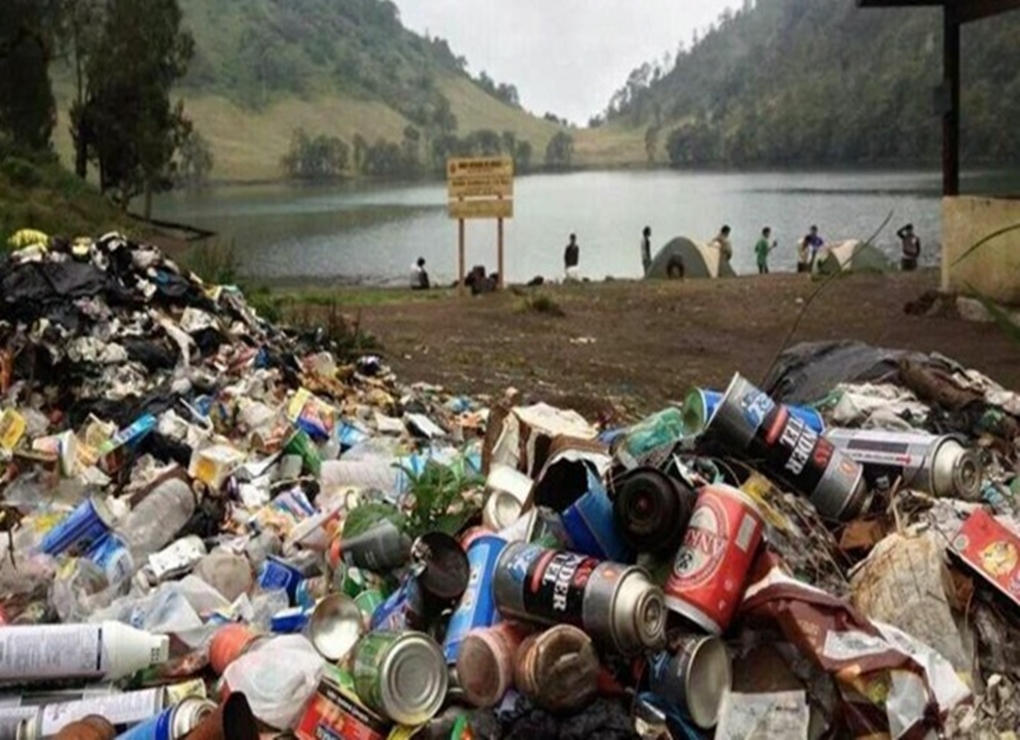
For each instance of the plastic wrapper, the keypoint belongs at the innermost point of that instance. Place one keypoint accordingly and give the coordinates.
(783, 714)
(279, 677)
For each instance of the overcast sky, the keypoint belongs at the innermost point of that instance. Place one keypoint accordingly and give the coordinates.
(564, 56)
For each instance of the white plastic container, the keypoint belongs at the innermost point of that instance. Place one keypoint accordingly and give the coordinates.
(109, 650)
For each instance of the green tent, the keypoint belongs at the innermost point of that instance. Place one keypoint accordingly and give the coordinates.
(851, 256)
(698, 260)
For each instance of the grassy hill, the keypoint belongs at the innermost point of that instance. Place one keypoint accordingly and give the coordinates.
(263, 68)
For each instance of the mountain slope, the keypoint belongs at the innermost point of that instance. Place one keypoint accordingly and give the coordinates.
(822, 81)
(346, 68)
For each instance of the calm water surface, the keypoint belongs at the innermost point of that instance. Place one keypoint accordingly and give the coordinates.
(372, 233)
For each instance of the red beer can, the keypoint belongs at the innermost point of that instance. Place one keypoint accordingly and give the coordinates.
(711, 567)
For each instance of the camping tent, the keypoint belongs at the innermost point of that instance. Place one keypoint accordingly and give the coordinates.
(699, 260)
(851, 256)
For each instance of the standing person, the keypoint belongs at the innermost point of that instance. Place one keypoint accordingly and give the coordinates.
(646, 249)
(812, 245)
(571, 259)
(911, 246)
(419, 276)
(762, 249)
(722, 242)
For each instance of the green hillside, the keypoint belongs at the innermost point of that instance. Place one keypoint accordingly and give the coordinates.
(822, 81)
(337, 68)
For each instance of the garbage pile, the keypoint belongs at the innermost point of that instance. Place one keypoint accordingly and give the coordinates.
(219, 528)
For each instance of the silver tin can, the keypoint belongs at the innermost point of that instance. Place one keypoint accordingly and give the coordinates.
(617, 604)
(696, 677)
(939, 465)
(335, 626)
(403, 675)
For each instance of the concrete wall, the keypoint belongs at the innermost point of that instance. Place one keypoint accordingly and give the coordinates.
(994, 268)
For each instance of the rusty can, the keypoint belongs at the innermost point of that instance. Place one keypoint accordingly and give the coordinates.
(557, 669)
(711, 567)
(696, 677)
(485, 662)
(92, 727)
(402, 675)
(752, 424)
(618, 604)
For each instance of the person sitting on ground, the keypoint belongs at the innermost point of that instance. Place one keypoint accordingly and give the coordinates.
(419, 276)
(813, 244)
(722, 243)
(762, 249)
(911, 246)
(571, 260)
(646, 249)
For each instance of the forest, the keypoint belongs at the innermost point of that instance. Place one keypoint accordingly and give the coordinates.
(824, 82)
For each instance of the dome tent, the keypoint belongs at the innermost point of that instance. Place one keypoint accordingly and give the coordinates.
(851, 256)
(699, 260)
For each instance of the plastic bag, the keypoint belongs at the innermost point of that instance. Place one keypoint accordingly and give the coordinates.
(279, 678)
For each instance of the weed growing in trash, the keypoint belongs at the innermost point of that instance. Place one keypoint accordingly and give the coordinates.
(346, 337)
(214, 259)
(542, 304)
(1009, 326)
(440, 499)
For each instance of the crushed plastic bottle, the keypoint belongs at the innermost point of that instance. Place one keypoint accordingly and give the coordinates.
(153, 523)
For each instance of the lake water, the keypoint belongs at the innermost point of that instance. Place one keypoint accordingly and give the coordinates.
(373, 233)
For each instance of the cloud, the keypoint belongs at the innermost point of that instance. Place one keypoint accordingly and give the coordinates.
(564, 56)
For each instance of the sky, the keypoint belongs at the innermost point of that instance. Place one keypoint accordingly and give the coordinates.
(564, 56)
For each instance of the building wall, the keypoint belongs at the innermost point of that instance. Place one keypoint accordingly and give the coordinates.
(994, 268)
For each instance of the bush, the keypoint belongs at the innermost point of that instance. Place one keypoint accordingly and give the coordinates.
(214, 261)
(21, 172)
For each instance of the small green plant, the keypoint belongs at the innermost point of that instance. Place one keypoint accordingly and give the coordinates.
(215, 261)
(542, 304)
(1009, 325)
(346, 338)
(441, 499)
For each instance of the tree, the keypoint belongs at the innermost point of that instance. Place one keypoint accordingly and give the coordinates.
(319, 158)
(560, 151)
(82, 24)
(133, 129)
(195, 162)
(27, 107)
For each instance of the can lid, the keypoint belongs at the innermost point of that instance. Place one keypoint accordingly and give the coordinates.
(335, 626)
(446, 569)
(189, 713)
(707, 681)
(413, 679)
(639, 613)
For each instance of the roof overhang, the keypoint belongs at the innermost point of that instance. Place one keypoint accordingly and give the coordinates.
(965, 10)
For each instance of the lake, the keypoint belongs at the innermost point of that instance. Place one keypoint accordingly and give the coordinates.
(372, 232)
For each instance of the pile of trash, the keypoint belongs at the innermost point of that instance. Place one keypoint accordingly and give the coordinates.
(218, 528)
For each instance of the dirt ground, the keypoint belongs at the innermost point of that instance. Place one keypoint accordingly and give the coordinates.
(635, 346)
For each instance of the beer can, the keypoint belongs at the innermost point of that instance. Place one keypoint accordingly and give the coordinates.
(485, 662)
(712, 564)
(592, 527)
(939, 465)
(89, 522)
(477, 607)
(617, 604)
(696, 677)
(335, 626)
(700, 405)
(752, 424)
(557, 669)
(652, 510)
(401, 675)
(173, 723)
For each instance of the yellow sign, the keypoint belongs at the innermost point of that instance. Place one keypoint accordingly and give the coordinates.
(479, 167)
(481, 209)
(482, 186)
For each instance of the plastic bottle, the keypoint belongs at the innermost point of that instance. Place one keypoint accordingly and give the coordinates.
(109, 650)
(153, 523)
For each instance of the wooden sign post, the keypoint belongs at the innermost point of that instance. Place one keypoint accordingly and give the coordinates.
(480, 187)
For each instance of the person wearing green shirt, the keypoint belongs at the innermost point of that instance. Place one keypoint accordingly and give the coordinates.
(762, 249)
